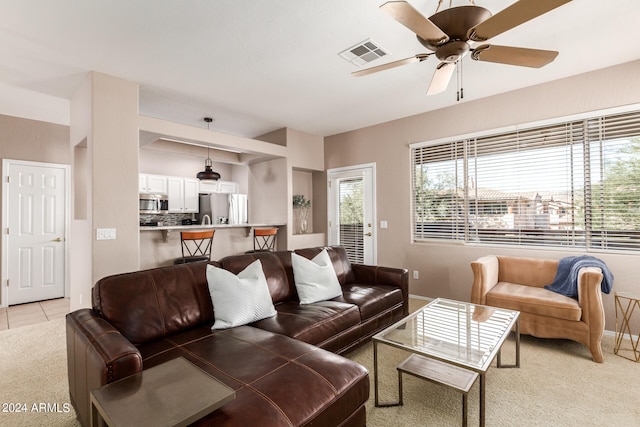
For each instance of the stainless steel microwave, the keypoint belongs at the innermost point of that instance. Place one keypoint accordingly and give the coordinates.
(153, 203)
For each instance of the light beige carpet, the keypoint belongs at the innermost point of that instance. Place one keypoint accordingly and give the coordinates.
(33, 371)
(557, 385)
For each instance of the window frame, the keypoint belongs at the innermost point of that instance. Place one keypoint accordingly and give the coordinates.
(585, 124)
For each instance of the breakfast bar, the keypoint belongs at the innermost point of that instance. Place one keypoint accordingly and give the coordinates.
(161, 245)
(167, 229)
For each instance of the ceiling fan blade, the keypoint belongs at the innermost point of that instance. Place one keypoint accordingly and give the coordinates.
(534, 58)
(441, 77)
(417, 58)
(512, 16)
(405, 14)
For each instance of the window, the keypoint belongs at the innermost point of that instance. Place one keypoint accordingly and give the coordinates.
(351, 217)
(573, 184)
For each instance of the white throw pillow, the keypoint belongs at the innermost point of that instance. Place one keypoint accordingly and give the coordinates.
(238, 300)
(315, 279)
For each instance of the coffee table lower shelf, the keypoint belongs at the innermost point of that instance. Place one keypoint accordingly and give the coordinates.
(451, 376)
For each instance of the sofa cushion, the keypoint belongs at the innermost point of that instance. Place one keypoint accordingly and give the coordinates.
(150, 304)
(239, 299)
(278, 380)
(315, 279)
(311, 323)
(535, 300)
(371, 299)
(526, 271)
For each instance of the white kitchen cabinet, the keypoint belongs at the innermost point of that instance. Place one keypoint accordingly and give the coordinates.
(156, 184)
(183, 194)
(221, 187)
(191, 190)
(227, 187)
(208, 186)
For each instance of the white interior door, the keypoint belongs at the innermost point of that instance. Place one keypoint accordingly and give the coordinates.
(352, 212)
(36, 219)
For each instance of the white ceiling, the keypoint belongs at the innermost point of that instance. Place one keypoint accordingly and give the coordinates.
(257, 66)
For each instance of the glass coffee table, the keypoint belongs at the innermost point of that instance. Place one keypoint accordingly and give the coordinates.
(452, 335)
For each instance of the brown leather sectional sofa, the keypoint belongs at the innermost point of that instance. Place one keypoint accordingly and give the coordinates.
(286, 370)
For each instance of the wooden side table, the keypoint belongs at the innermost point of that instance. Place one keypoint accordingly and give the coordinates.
(626, 304)
(175, 393)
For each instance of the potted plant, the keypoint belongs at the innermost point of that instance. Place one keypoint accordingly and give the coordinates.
(301, 206)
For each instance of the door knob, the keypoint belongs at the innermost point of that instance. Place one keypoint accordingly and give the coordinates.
(368, 234)
(57, 240)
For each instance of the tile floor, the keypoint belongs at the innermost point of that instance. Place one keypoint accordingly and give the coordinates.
(16, 316)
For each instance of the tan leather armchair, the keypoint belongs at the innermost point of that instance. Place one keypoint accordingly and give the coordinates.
(518, 284)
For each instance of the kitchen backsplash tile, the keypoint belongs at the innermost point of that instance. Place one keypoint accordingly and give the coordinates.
(165, 219)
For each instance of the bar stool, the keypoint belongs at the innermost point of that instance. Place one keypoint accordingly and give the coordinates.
(264, 239)
(196, 246)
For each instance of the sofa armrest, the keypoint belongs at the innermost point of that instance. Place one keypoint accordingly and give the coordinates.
(590, 297)
(97, 354)
(485, 276)
(387, 276)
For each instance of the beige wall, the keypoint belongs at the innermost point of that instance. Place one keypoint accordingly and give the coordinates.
(104, 119)
(268, 183)
(172, 164)
(24, 139)
(444, 268)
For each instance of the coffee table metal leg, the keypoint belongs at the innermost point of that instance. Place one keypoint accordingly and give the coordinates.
(482, 389)
(375, 371)
(465, 404)
(376, 381)
(400, 402)
(518, 343)
(498, 357)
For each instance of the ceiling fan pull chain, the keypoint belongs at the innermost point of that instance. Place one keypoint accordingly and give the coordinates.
(461, 81)
(457, 80)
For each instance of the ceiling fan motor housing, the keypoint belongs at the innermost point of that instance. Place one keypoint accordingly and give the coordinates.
(452, 51)
(456, 22)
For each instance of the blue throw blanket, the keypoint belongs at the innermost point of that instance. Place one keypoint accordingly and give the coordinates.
(566, 280)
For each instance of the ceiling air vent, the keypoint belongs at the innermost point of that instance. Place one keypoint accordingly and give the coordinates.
(363, 53)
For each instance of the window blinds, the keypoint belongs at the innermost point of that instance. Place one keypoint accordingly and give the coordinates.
(573, 184)
(351, 217)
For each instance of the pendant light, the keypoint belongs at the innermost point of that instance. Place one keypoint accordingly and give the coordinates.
(208, 173)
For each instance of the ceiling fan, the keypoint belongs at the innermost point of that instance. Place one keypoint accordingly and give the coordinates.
(452, 33)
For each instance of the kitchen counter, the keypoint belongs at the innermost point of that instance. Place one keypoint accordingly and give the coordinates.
(166, 229)
(207, 226)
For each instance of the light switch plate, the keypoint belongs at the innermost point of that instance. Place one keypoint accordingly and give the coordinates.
(105, 234)
(383, 224)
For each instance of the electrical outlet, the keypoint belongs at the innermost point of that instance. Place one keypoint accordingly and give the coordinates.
(416, 275)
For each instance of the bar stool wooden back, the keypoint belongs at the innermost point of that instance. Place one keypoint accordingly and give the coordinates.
(196, 246)
(264, 239)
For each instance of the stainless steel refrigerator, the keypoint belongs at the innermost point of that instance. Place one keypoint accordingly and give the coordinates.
(238, 209)
(223, 208)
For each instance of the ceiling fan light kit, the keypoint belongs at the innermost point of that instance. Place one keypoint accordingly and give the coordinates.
(452, 33)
